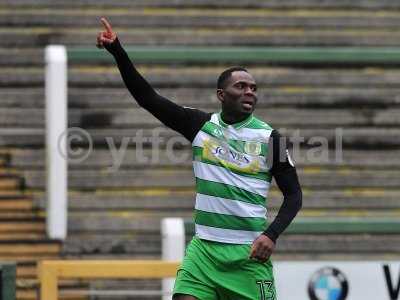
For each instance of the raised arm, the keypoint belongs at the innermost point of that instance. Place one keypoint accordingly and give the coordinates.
(186, 121)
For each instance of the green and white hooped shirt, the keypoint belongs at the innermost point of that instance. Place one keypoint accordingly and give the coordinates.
(230, 165)
(232, 179)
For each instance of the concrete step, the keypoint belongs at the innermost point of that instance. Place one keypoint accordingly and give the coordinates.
(9, 182)
(24, 235)
(139, 118)
(29, 283)
(179, 77)
(21, 57)
(351, 138)
(14, 215)
(84, 245)
(271, 97)
(266, 77)
(338, 243)
(205, 17)
(31, 294)
(278, 36)
(141, 223)
(28, 258)
(346, 199)
(3, 161)
(21, 136)
(183, 179)
(12, 194)
(13, 205)
(279, 96)
(126, 223)
(359, 4)
(97, 246)
(27, 271)
(279, 117)
(29, 289)
(349, 201)
(17, 248)
(101, 159)
(36, 225)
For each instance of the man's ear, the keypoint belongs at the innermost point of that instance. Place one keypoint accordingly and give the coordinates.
(220, 95)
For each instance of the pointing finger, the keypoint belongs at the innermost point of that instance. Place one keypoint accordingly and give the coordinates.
(106, 25)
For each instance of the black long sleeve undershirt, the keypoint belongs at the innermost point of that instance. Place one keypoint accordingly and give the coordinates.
(188, 121)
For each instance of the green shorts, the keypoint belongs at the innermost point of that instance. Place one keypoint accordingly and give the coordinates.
(219, 271)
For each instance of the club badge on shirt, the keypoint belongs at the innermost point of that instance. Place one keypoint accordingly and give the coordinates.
(252, 148)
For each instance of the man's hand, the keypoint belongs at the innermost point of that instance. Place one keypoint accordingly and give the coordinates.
(262, 248)
(106, 36)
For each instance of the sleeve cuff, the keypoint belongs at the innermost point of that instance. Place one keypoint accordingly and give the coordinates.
(271, 234)
(114, 48)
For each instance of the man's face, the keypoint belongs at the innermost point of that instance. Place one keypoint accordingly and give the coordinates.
(239, 97)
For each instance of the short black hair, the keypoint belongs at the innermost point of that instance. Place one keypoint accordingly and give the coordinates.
(225, 75)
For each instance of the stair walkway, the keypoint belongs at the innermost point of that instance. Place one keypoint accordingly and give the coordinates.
(22, 232)
(23, 237)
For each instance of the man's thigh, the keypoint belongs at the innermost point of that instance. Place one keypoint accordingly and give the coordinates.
(251, 281)
(193, 277)
(188, 287)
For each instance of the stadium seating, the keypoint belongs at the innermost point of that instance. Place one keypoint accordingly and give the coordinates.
(116, 214)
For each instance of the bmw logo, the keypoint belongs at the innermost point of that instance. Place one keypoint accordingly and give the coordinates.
(328, 284)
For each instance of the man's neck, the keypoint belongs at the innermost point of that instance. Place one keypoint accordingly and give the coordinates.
(230, 119)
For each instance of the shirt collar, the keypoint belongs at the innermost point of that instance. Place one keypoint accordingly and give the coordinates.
(237, 125)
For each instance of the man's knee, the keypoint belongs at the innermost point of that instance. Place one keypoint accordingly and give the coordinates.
(183, 297)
